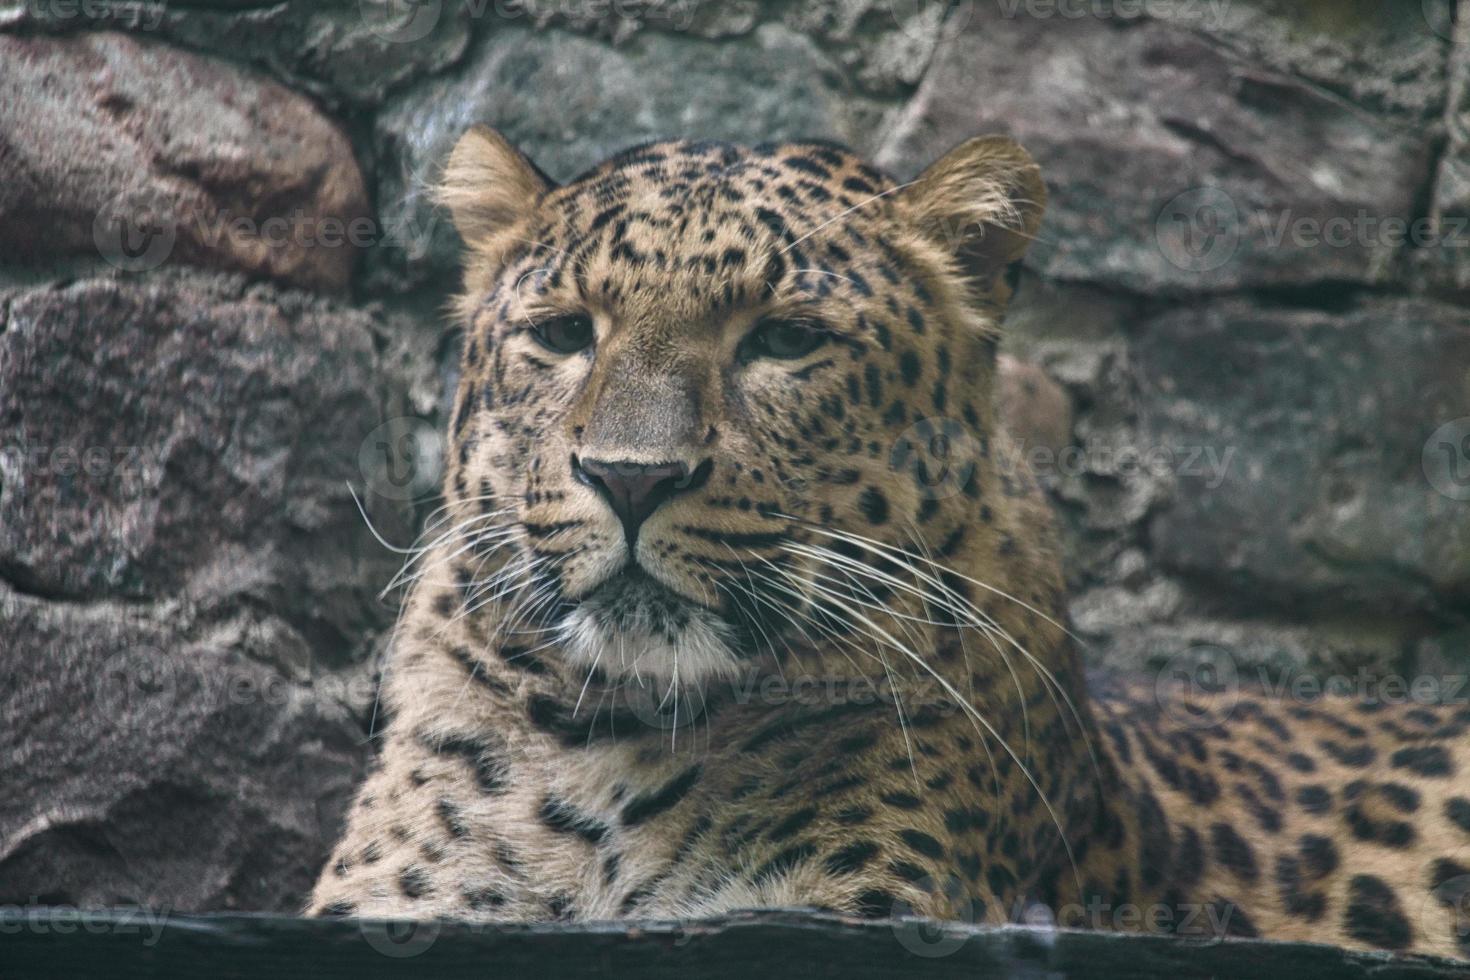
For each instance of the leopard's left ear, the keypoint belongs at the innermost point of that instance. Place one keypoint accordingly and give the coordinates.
(981, 201)
(489, 185)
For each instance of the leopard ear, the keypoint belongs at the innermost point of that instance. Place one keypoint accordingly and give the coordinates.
(489, 185)
(982, 202)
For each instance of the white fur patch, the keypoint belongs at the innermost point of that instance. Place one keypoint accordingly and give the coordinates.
(623, 638)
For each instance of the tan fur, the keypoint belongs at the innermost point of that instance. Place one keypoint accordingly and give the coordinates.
(838, 675)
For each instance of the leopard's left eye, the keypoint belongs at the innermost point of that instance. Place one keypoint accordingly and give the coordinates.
(783, 340)
(565, 334)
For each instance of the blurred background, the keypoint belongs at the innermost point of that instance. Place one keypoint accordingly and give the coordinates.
(1239, 356)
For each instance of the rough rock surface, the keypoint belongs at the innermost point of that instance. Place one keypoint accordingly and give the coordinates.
(1173, 162)
(533, 87)
(152, 760)
(137, 153)
(201, 444)
(184, 704)
(1323, 418)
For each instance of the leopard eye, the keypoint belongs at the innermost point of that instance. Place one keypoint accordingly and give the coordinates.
(784, 340)
(565, 334)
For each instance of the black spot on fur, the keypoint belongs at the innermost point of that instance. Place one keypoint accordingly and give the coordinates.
(563, 818)
(480, 899)
(660, 800)
(852, 858)
(452, 818)
(873, 505)
(1373, 914)
(414, 882)
(1314, 799)
(1234, 853)
(1457, 808)
(1424, 760)
(922, 843)
(875, 905)
(793, 823)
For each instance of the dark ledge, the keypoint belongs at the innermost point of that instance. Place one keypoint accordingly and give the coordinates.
(61, 942)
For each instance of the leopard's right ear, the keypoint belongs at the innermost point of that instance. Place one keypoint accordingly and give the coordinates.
(489, 185)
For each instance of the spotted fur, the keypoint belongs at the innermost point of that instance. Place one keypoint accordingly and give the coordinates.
(826, 668)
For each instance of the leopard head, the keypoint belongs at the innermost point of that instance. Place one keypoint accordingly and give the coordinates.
(707, 389)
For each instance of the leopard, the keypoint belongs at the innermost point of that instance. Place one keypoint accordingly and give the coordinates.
(741, 597)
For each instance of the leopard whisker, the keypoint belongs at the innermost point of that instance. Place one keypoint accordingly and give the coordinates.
(978, 615)
(877, 632)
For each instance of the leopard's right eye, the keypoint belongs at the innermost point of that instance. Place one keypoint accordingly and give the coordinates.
(566, 334)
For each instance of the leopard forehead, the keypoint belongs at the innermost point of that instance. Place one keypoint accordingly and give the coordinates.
(677, 247)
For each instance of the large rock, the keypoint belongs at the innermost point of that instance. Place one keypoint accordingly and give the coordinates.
(150, 761)
(1445, 249)
(1328, 483)
(186, 436)
(137, 154)
(187, 588)
(534, 86)
(343, 52)
(1174, 161)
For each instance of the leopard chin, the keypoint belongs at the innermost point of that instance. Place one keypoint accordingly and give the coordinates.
(634, 628)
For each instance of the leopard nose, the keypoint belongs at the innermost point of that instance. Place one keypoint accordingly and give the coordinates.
(636, 490)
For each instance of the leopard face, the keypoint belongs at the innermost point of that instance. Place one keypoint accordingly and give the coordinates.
(701, 383)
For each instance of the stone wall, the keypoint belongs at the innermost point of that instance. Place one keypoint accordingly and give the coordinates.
(1241, 342)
